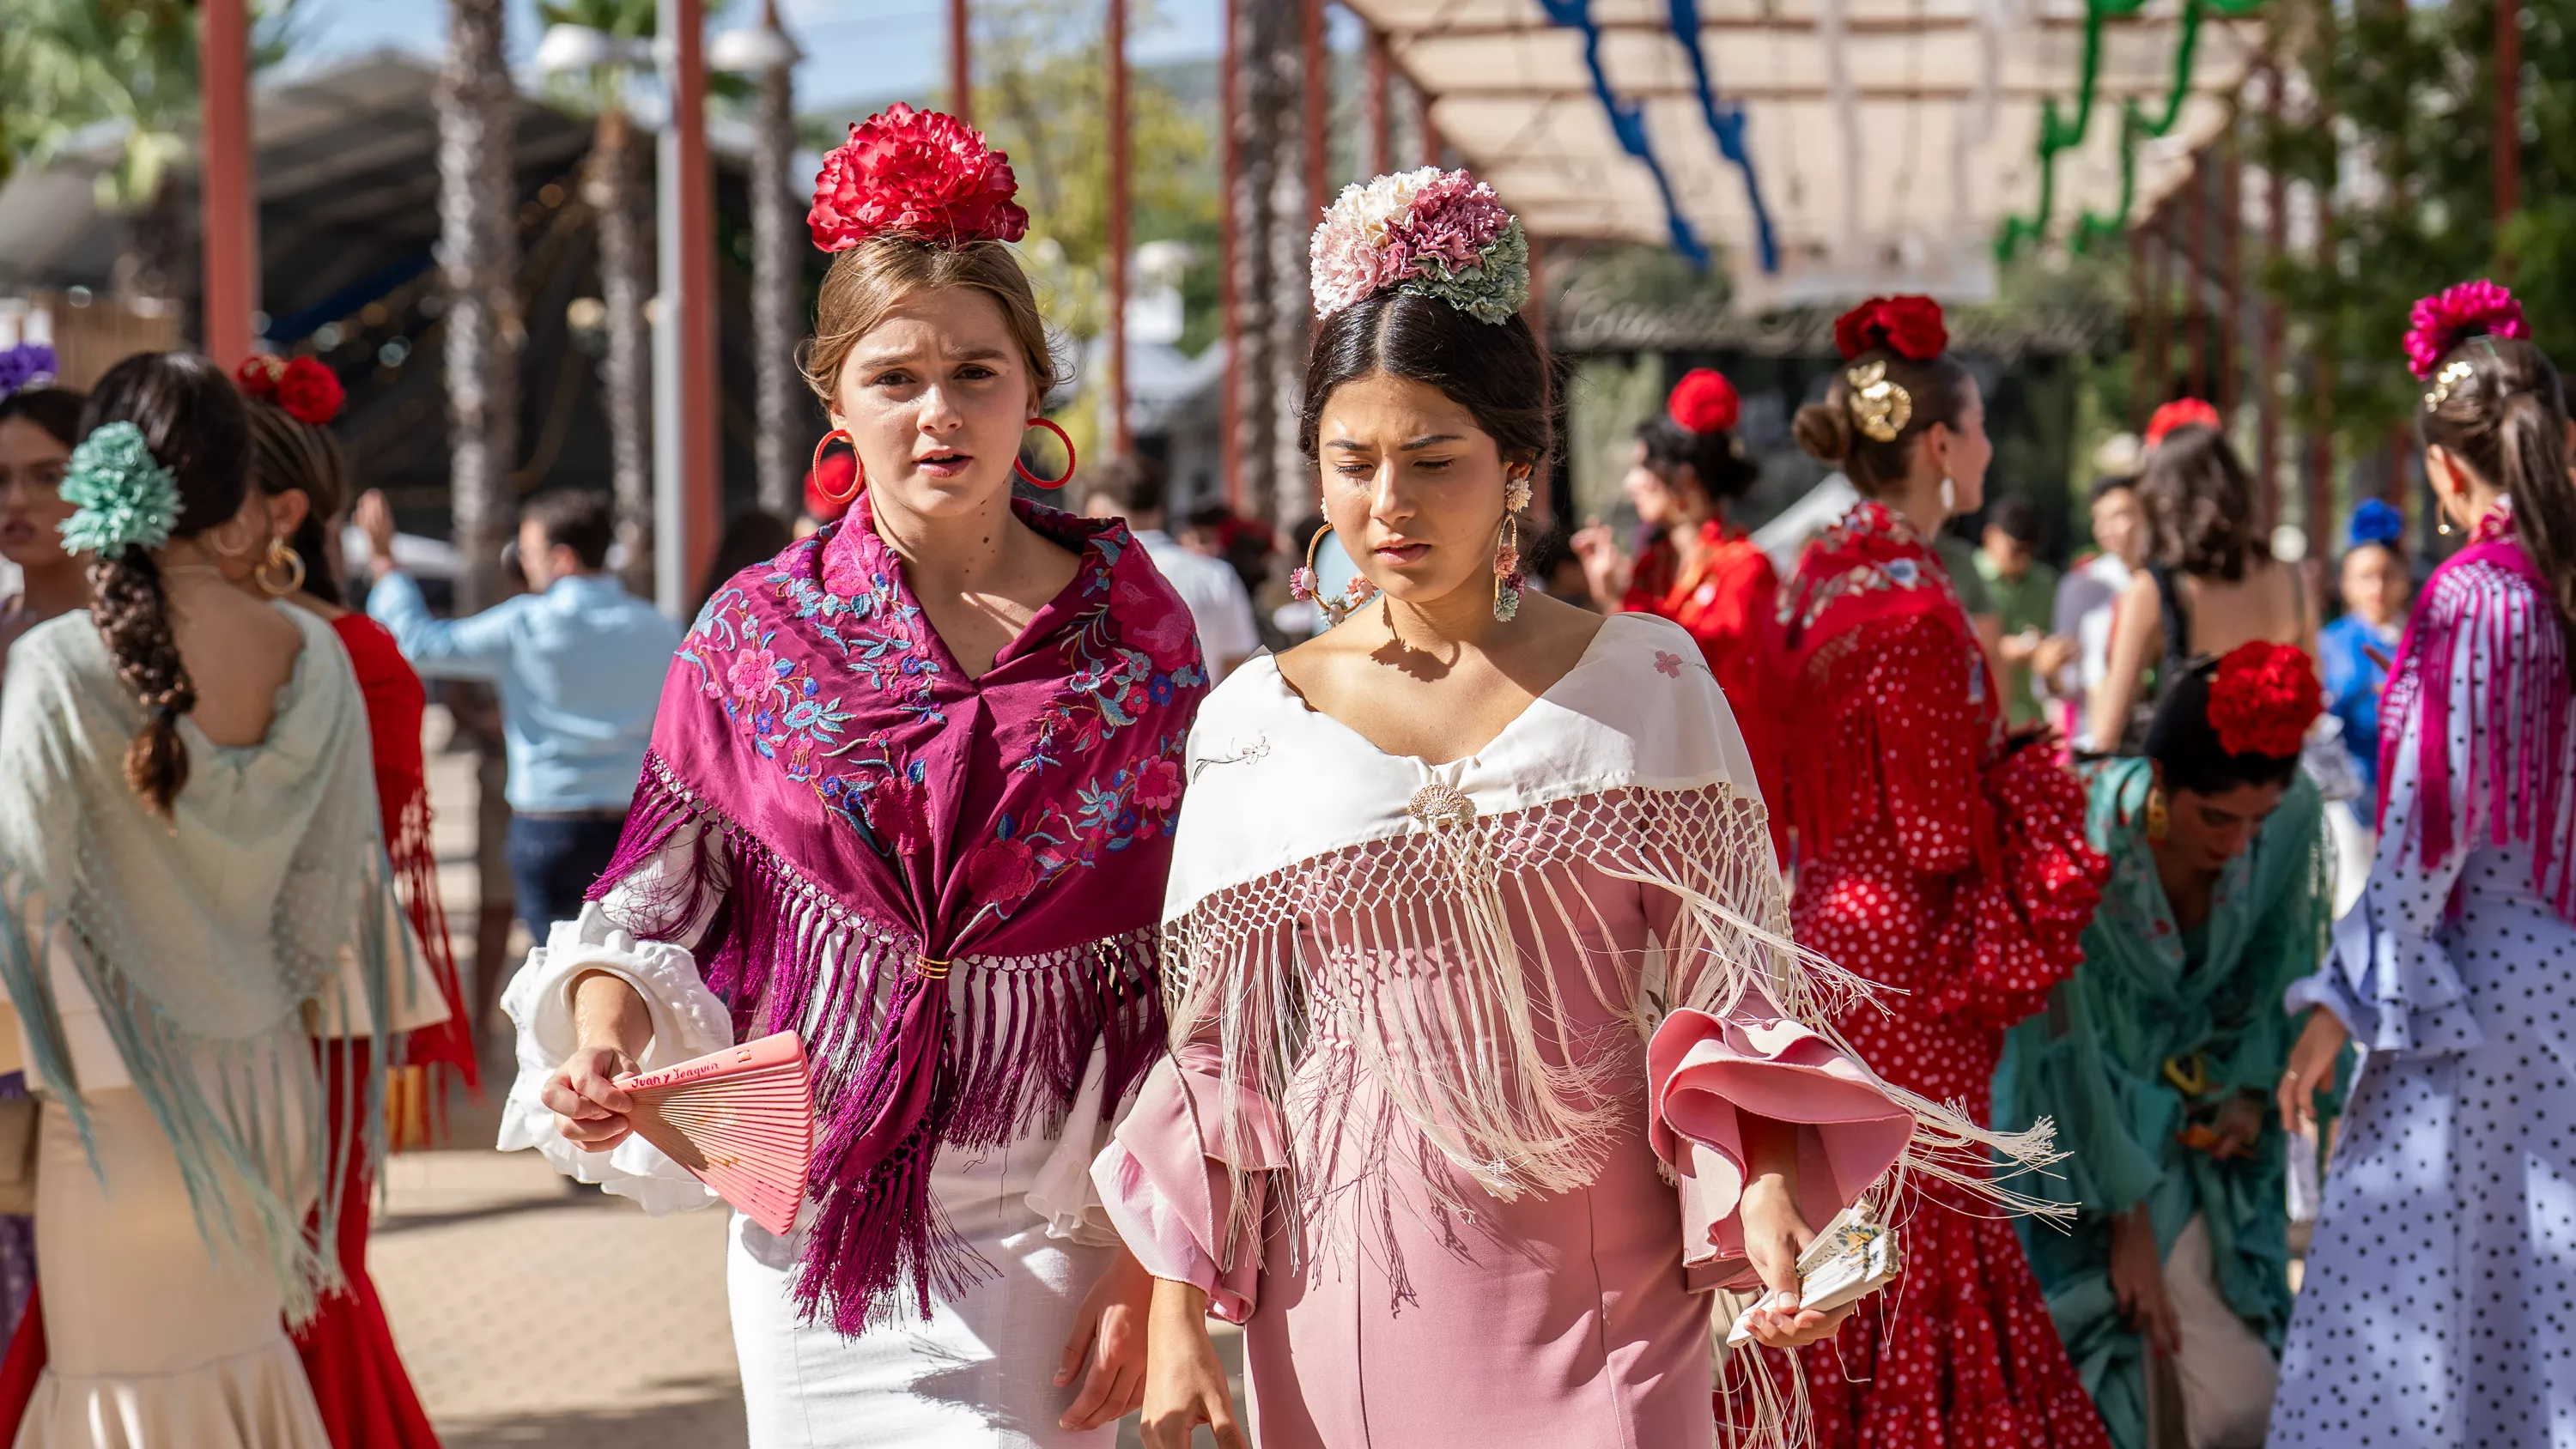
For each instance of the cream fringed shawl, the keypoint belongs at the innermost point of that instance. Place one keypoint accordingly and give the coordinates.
(214, 942)
(1325, 894)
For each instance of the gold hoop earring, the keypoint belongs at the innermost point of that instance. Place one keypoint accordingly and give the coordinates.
(1305, 586)
(214, 542)
(2158, 821)
(280, 556)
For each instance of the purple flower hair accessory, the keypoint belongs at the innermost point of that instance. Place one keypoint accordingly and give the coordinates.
(26, 365)
(2455, 314)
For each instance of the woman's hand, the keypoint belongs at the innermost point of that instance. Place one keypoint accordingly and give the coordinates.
(613, 1027)
(1110, 1330)
(1606, 568)
(1775, 1233)
(2312, 1063)
(1184, 1383)
(2239, 1126)
(2138, 1280)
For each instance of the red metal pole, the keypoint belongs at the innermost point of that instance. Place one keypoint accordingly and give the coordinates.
(2508, 140)
(1120, 440)
(961, 65)
(231, 218)
(2139, 280)
(701, 460)
(2195, 222)
(2157, 372)
(1229, 319)
(1319, 101)
(2276, 244)
(1381, 156)
(1430, 132)
(2231, 271)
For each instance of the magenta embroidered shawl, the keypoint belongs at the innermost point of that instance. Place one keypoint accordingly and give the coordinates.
(2485, 637)
(947, 886)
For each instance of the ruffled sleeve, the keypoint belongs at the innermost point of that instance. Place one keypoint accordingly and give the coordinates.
(1706, 1071)
(1186, 1180)
(688, 1021)
(2493, 661)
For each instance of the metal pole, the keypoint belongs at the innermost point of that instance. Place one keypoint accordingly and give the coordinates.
(2156, 377)
(1230, 320)
(688, 477)
(2276, 244)
(2195, 255)
(2231, 270)
(2138, 274)
(961, 64)
(231, 188)
(1319, 102)
(1430, 132)
(1381, 156)
(1120, 440)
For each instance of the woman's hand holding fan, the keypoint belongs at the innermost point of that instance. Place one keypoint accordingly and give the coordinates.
(613, 1027)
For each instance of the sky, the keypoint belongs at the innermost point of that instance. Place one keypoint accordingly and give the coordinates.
(854, 49)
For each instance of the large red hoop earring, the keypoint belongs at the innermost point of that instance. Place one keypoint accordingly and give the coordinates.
(858, 469)
(1021, 467)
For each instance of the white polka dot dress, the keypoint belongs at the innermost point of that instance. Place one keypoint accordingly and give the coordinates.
(2439, 1305)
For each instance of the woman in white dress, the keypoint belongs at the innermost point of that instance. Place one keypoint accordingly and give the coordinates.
(193, 888)
(910, 796)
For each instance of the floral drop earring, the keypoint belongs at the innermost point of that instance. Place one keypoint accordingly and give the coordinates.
(1507, 572)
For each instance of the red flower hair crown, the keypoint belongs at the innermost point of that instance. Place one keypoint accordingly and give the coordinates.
(308, 391)
(2263, 698)
(2186, 412)
(915, 173)
(1909, 326)
(2454, 315)
(1704, 402)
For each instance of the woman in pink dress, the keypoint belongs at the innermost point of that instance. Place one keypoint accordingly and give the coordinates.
(1491, 1051)
(1937, 856)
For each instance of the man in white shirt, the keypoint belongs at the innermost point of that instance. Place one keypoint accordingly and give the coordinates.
(2087, 593)
(1133, 488)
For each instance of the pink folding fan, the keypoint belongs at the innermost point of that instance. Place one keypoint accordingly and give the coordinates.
(742, 1119)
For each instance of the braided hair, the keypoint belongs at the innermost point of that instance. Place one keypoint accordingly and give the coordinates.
(193, 420)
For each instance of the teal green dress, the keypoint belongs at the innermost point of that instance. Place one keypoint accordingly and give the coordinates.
(2150, 1010)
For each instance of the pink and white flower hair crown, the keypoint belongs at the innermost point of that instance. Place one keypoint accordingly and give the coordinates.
(915, 173)
(2455, 314)
(1430, 232)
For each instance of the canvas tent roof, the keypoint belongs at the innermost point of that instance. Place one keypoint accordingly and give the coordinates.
(1890, 138)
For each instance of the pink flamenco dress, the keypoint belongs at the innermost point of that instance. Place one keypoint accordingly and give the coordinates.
(1939, 856)
(1453, 1125)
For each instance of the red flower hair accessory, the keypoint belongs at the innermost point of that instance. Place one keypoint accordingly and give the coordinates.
(2263, 698)
(1909, 326)
(2454, 315)
(1704, 402)
(2187, 412)
(915, 173)
(308, 391)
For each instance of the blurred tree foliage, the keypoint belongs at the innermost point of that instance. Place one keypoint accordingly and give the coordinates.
(2410, 152)
(67, 65)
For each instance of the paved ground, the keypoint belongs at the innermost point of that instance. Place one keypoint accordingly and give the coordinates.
(497, 1273)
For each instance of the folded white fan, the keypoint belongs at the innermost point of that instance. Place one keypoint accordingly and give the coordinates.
(1851, 1259)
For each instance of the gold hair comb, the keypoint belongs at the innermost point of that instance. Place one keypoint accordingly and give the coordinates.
(1881, 407)
(2454, 373)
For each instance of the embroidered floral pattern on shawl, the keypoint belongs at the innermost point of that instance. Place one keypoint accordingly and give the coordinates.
(884, 823)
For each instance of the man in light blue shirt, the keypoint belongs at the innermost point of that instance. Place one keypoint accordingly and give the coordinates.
(579, 664)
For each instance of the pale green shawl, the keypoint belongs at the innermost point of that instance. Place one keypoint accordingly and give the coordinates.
(213, 941)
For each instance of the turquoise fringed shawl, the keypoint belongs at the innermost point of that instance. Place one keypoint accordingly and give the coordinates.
(2095, 1061)
(216, 942)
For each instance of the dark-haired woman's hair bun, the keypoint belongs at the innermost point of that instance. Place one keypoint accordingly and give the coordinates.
(1824, 430)
(2497, 406)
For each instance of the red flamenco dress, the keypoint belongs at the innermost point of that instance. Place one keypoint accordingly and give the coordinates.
(1942, 857)
(366, 1398)
(1725, 599)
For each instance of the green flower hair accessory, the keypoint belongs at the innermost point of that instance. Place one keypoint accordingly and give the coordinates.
(123, 497)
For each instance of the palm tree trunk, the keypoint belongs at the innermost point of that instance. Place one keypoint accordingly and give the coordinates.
(479, 269)
(1273, 93)
(626, 381)
(777, 320)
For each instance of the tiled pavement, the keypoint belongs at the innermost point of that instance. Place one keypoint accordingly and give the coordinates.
(534, 1313)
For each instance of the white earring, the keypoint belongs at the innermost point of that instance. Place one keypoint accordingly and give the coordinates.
(1949, 495)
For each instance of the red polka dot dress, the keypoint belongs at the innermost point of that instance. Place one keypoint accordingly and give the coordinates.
(1936, 859)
